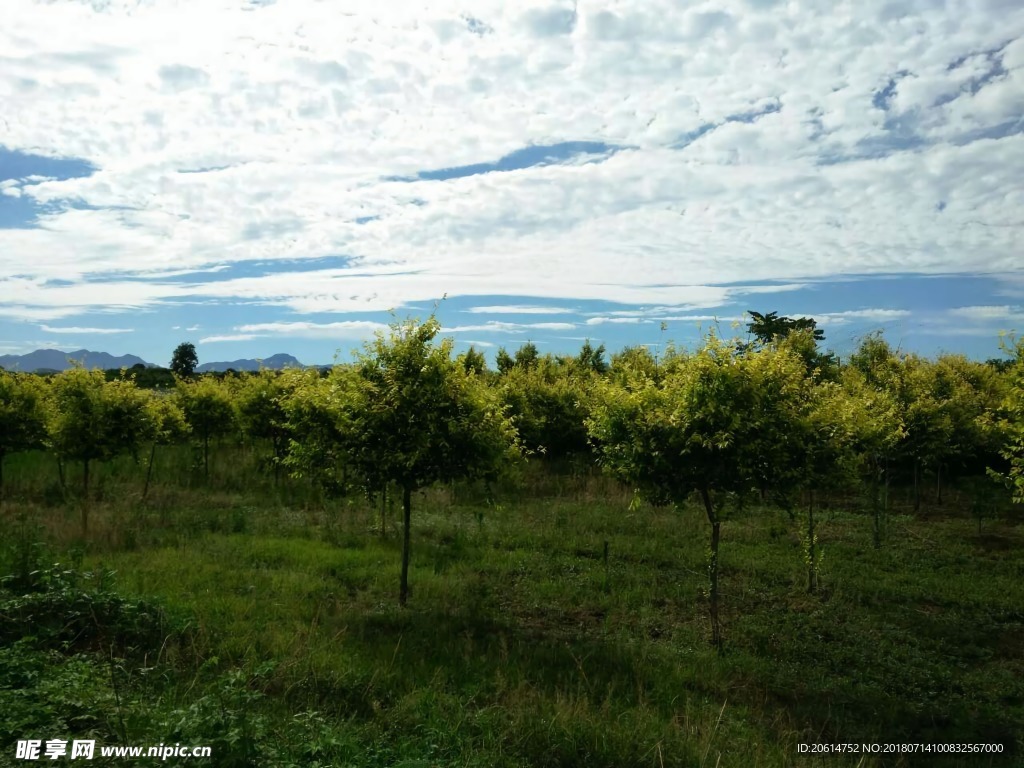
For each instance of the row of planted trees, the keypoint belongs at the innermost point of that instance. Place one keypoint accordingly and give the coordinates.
(772, 418)
(406, 414)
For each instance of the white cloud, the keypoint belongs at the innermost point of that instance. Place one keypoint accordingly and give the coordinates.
(347, 329)
(877, 316)
(229, 337)
(477, 343)
(495, 326)
(520, 310)
(617, 320)
(76, 329)
(703, 319)
(987, 313)
(253, 107)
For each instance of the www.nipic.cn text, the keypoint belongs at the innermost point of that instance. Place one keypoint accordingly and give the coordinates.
(52, 749)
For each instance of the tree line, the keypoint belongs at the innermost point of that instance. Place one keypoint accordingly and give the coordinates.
(771, 418)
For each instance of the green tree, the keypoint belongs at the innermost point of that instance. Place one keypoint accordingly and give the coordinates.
(259, 404)
(319, 441)
(527, 356)
(22, 415)
(1011, 426)
(703, 429)
(827, 431)
(504, 361)
(926, 419)
(93, 420)
(802, 334)
(209, 412)
(416, 417)
(184, 360)
(168, 428)
(591, 359)
(767, 327)
(633, 362)
(971, 392)
(545, 403)
(877, 429)
(473, 361)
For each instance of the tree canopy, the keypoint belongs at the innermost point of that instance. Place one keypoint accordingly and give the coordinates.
(184, 360)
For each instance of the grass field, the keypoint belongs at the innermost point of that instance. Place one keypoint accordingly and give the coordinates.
(264, 623)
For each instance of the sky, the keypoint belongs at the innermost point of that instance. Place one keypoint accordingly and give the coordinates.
(260, 177)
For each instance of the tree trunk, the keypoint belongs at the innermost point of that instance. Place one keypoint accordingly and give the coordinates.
(206, 457)
(149, 470)
(383, 512)
(403, 589)
(917, 491)
(812, 553)
(85, 497)
(885, 496)
(2, 455)
(876, 507)
(938, 484)
(60, 475)
(716, 627)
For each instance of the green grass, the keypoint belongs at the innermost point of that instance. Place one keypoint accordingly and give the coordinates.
(283, 643)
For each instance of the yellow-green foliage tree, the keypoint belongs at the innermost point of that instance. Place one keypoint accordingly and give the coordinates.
(926, 418)
(93, 420)
(877, 430)
(829, 431)
(209, 411)
(319, 442)
(545, 402)
(715, 425)
(876, 379)
(632, 363)
(22, 415)
(259, 403)
(415, 417)
(970, 391)
(168, 427)
(1012, 425)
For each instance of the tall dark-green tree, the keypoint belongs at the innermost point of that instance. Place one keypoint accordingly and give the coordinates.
(802, 332)
(184, 360)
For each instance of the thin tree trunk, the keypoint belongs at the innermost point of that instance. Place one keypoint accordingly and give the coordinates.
(383, 512)
(149, 470)
(2, 456)
(885, 496)
(276, 445)
(85, 497)
(60, 475)
(403, 590)
(812, 554)
(206, 457)
(938, 483)
(716, 627)
(876, 507)
(917, 490)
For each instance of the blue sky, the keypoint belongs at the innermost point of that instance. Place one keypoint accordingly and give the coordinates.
(558, 170)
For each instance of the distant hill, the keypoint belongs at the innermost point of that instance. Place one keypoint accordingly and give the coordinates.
(274, 362)
(56, 360)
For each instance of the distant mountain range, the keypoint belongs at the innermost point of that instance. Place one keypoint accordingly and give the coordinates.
(274, 362)
(56, 360)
